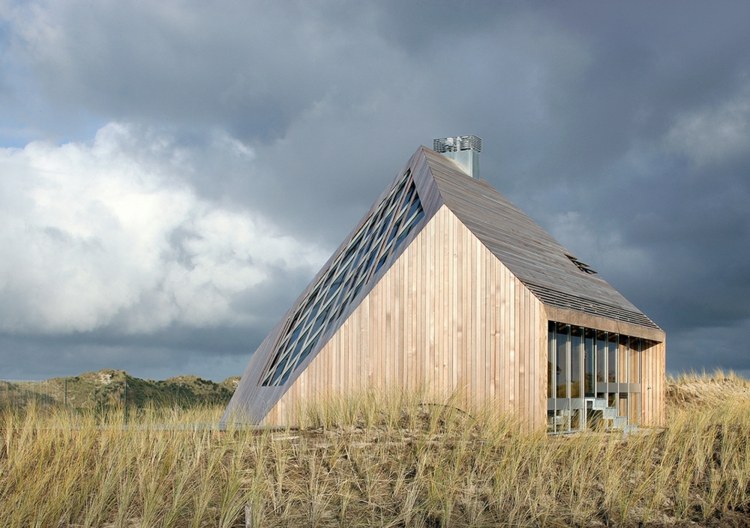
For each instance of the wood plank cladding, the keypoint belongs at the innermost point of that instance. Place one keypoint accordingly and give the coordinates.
(654, 373)
(573, 317)
(460, 307)
(449, 318)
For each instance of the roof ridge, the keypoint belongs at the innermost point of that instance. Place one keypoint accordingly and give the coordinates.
(529, 251)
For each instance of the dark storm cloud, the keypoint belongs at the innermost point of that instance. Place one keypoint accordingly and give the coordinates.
(623, 129)
(638, 70)
(652, 152)
(251, 67)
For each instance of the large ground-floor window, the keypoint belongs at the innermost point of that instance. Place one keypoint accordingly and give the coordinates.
(593, 379)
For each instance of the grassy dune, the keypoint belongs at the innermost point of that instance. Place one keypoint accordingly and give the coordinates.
(97, 391)
(380, 461)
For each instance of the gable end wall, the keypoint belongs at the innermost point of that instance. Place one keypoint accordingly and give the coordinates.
(447, 317)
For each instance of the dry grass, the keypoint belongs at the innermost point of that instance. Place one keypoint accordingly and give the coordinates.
(373, 460)
(696, 391)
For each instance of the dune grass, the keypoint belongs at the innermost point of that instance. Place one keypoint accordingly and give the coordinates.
(379, 460)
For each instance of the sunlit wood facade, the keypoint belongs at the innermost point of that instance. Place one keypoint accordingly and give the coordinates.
(447, 288)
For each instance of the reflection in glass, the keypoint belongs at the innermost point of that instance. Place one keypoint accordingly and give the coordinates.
(597, 379)
(550, 357)
(339, 285)
(576, 342)
(588, 362)
(601, 353)
(612, 358)
(563, 337)
(575, 420)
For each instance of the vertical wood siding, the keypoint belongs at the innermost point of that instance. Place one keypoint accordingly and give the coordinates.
(449, 318)
(654, 385)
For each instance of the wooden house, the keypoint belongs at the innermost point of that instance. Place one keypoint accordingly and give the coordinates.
(446, 286)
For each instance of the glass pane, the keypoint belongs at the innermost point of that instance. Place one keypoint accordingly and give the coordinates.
(382, 229)
(401, 238)
(414, 209)
(588, 362)
(562, 337)
(575, 420)
(550, 360)
(394, 232)
(576, 346)
(550, 421)
(601, 354)
(562, 421)
(612, 359)
(280, 369)
(413, 220)
(380, 263)
(345, 277)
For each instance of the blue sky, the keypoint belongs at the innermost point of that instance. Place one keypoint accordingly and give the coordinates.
(172, 174)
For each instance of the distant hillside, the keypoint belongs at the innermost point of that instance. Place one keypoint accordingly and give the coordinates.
(107, 388)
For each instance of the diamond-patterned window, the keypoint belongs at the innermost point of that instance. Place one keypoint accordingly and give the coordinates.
(354, 267)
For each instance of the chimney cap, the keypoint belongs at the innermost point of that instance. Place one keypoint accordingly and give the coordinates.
(464, 150)
(457, 143)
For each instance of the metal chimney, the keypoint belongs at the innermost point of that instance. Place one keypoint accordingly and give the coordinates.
(464, 150)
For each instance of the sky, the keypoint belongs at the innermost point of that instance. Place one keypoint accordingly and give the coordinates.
(173, 174)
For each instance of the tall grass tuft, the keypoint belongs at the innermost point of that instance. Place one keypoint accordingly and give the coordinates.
(375, 459)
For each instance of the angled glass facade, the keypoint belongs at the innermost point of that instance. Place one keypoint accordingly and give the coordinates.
(353, 268)
(594, 379)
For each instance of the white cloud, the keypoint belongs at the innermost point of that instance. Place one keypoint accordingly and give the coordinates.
(106, 234)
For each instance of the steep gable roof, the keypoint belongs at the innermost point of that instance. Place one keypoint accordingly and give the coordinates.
(428, 182)
(538, 260)
(395, 218)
